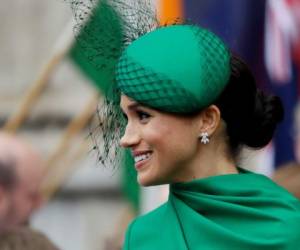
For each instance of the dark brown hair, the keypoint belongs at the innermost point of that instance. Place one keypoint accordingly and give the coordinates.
(251, 116)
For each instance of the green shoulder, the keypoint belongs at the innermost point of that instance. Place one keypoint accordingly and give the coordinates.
(144, 228)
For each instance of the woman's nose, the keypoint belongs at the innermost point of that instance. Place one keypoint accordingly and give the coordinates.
(130, 137)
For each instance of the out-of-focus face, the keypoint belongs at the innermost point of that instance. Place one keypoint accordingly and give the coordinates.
(26, 196)
(4, 206)
(164, 145)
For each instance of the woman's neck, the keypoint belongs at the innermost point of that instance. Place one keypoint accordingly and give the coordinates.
(211, 160)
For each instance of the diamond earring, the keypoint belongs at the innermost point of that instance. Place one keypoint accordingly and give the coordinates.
(204, 137)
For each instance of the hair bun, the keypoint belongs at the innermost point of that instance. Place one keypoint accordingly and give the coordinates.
(251, 116)
(268, 112)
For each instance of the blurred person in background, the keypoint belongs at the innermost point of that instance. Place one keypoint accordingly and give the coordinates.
(21, 173)
(288, 176)
(24, 238)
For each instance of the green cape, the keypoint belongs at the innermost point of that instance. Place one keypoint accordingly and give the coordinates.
(243, 211)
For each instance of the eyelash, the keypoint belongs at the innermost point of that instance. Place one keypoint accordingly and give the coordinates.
(143, 116)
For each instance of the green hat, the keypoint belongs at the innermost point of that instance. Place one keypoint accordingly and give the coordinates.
(178, 69)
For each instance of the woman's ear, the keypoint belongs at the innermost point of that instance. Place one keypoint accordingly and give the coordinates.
(209, 120)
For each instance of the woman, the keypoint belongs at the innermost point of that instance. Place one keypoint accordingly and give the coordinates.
(190, 106)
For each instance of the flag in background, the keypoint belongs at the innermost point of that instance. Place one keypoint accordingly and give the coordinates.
(95, 51)
(281, 38)
(98, 43)
(169, 10)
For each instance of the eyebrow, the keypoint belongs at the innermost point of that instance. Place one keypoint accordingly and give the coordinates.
(133, 106)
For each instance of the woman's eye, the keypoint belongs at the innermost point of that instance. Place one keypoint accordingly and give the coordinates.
(143, 116)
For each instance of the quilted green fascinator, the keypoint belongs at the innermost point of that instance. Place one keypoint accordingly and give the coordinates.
(178, 69)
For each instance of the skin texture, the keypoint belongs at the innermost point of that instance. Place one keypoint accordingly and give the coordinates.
(176, 153)
(19, 202)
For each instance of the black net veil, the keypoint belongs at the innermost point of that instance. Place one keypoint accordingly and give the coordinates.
(103, 29)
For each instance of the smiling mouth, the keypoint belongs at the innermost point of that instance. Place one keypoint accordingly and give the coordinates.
(141, 159)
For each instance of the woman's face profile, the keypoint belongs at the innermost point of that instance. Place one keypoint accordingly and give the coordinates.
(163, 145)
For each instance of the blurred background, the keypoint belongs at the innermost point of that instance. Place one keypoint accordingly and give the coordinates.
(48, 100)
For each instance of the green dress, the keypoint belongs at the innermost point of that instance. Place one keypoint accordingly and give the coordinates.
(243, 211)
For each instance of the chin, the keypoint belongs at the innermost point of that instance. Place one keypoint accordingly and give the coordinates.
(147, 181)
(144, 181)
